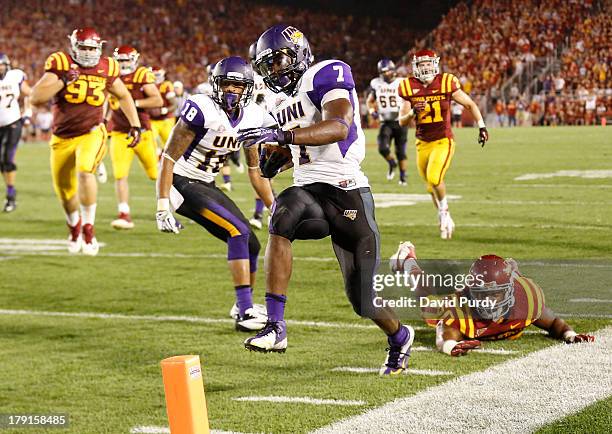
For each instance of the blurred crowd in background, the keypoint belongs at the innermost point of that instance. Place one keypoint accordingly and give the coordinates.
(526, 62)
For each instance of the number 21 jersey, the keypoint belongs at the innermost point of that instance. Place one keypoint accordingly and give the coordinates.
(78, 107)
(433, 123)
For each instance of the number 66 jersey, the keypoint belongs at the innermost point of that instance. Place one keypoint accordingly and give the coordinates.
(78, 107)
(215, 136)
(338, 163)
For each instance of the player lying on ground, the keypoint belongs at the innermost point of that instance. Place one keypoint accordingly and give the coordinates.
(384, 103)
(78, 84)
(141, 84)
(519, 302)
(13, 83)
(427, 98)
(199, 145)
(321, 133)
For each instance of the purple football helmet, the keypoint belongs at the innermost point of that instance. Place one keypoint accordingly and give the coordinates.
(235, 71)
(386, 69)
(282, 56)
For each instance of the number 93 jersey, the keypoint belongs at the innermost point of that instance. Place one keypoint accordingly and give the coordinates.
(10, 89)
(338, 163)
(78, 107)
(387, 98)
(216, 135)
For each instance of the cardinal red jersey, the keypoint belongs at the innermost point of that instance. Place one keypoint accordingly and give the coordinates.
(433, 123)
(135, 82)
(527, 308)
(78, 107)
(166, 89)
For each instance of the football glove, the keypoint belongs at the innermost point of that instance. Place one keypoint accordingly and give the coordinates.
(462, 347)
(166, 222)
(483, 136)
(419, 106)
(135, 135)
(270, 166)
(70, 77)
(254, 136)
(574, 339)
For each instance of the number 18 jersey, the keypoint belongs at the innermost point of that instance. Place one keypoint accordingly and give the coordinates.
(215, 136)
(433, 123)
(78, 107)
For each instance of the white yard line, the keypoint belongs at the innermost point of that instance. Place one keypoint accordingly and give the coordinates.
(499, 351)
(165, 430)
(589, 300)
(566, 379)
(357, 370)
(300, 400)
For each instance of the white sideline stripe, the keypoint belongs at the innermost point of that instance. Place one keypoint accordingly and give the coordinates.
(589, 300)
(178, 318)
(428, 372)
(495, 225)
(300, 400)
(555, 186)
(567, 378)
(165, 430)
(587, 174)
(500, 351)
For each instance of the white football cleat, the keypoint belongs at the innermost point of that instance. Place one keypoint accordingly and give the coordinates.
(400, 261)
(101, 173)
(396, 362)
(259, 308)
(75, 240)
(227, 186)
(252, 320)
(124, 221)
(90, 244)
(271, 339)
(447, 225)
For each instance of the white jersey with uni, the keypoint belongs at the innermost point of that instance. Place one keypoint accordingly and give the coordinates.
(338, 163)
(10, 89)
(387, 98)
(215, 136)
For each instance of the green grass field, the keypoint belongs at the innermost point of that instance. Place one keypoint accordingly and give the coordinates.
(105, 373)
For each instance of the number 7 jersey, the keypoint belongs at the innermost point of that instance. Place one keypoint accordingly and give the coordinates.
(433, 123)
(78, 107)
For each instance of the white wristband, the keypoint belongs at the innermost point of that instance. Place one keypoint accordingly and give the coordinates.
(164, 110)
(136, 103)
(163, 204)
(569, 336)
(481, 124)
(448, 346)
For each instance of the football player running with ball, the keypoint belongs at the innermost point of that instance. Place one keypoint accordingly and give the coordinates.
(428, 96)
(199, 145)
(384, 103)
(78, 84)
(321, 134)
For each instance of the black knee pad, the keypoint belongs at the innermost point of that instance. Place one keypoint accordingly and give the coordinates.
(384, 150)
(296, 215)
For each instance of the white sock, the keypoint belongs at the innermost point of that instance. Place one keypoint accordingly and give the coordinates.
(89, 214)
(124, 207)
(442, 204)
(73, 218)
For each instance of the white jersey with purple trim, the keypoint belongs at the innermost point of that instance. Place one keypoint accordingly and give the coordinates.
(261, 94)
(387, 98)
(338, 163)
(10, 89)
(215, 136)
(204, 88)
